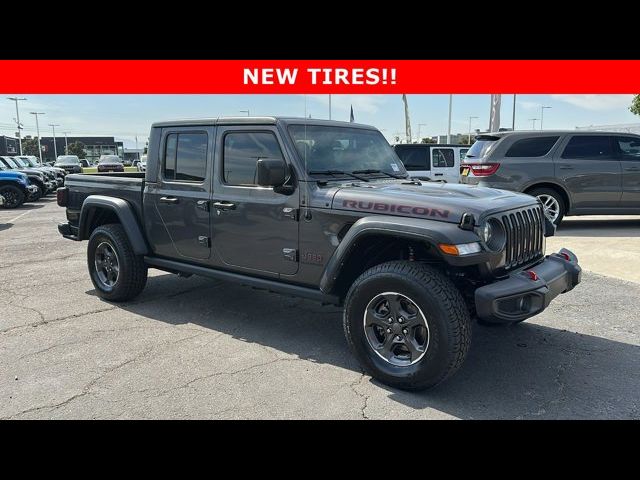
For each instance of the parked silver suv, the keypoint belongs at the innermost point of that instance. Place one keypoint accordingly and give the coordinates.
(571, 172)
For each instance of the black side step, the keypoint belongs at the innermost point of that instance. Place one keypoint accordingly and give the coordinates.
(260, 283)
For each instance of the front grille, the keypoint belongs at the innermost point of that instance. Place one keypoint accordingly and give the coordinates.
(525, 236)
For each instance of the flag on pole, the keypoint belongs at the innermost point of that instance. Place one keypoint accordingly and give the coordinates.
(494, 116)
(351, 116)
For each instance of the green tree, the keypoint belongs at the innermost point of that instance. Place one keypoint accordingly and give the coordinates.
(427, 140)
(30, 146)
(76, 148)
(635, 105)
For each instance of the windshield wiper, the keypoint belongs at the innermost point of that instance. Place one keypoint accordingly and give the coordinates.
(337, 172)
(392, 175)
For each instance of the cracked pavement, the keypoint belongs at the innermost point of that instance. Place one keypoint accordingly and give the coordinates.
(196, 348)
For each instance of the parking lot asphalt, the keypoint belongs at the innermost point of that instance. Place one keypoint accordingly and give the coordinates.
(196, 348)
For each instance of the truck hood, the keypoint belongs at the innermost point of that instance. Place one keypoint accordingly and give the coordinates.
(12, 175)
(437, 201)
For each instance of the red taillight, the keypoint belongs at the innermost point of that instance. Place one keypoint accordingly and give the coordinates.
(482, 169)
(62, 196)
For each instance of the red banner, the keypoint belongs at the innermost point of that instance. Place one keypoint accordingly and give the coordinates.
(320, 76)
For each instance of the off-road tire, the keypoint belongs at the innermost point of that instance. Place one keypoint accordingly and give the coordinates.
(132, 276)
(443, 306)
(13, 192)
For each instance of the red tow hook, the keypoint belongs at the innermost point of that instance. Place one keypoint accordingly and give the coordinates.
(565, 256)
(532, 275)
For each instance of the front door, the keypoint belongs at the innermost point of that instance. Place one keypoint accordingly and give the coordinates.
(591, 171)
(254, 228)
(180, 197)
(629, 151)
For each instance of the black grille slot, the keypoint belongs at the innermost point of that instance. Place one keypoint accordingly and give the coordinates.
(525, 236)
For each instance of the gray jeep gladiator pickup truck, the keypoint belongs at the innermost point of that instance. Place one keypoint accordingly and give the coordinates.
(323, 210)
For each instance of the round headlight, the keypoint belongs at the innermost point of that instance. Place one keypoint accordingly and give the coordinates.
(493, 234)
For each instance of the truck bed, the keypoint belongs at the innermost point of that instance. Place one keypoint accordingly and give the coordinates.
(126, 185)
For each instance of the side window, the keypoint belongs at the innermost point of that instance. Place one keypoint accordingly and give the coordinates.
(414, 159)
(629, 147)
(442, 157)
(588, 146)
(185, 157)
(241, 153)
(531, 147)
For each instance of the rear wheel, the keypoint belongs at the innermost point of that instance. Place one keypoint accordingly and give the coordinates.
(13, 196)
(552, 203)
(407, 324)
(117, 273)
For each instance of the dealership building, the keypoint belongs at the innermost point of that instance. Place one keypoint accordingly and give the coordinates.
(93, 147)
(9, 145)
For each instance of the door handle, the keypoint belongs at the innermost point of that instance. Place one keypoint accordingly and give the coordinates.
(438, 174)
(224, 206)
(566, 167)
(170, 200)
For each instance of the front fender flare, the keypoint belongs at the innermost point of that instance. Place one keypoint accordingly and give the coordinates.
(125, 214)
(424, 230)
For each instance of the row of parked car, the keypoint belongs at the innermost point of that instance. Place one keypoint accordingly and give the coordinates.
(106, 163)
(24, 179)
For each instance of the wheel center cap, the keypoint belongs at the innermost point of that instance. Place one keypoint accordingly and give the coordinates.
(397, 328)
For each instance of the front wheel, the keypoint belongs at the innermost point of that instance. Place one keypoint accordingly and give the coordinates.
(407, 324)
(117, 273)
(13, 196)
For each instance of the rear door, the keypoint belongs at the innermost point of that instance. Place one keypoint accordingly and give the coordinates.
(415, 159)
(254, 228)
(590, 170)
(443, 165)
(180, 196)
(629, 151)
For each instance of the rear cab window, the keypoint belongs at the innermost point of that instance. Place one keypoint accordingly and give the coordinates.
(532, 147)
(482, 147)
(185, 157)
(413, 158)
(628, 147)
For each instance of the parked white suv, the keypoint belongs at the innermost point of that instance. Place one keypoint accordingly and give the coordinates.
(431, 161)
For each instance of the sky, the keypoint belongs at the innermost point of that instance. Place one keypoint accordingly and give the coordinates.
(128, 116)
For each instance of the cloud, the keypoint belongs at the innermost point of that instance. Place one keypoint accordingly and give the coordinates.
(596, 102)
(361, 103)
(528, 105)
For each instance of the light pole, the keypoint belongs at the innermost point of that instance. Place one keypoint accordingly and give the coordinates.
(55, 148)
(449, 129)
(18, 99)
(329, 106)
(245, 111)
(66, 144)
(470, 118)
(38, 133)
(534, 122)
(542, 107)
(420, 136)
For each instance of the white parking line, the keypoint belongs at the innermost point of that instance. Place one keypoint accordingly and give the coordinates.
(21, 215)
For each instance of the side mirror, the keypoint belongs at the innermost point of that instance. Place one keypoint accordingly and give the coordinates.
(271, 172)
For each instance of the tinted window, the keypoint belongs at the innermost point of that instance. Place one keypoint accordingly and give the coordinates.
(442, 157)
(588, 146)
(482, 147)
(629, 147)
(531, 147)
(463, 153)
(170, 156)
(191, 161)
(413, 158)
(185, 157)
(241, 153)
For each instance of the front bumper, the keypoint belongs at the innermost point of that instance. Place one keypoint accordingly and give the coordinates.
(525, 294)
(32, 191)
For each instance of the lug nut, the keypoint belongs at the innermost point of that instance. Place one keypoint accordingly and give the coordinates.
(404, 330)
(390, 320)
(398, 338)
(388, 330)
(400, 320)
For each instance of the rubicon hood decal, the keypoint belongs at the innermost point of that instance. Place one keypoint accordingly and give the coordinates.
(382, 207)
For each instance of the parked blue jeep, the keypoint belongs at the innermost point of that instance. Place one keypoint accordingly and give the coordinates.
(15, 188)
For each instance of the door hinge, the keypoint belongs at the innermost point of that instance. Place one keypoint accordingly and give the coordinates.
(290, 254)
(203, 205)
(289, 212)
(204, 241)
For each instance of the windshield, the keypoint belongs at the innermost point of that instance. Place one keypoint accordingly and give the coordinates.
(21, 162)
(481, 147)
(10, 162)
(29, 162)
(3, 167)
(327, 148)
(67, 161)
(109, 159)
